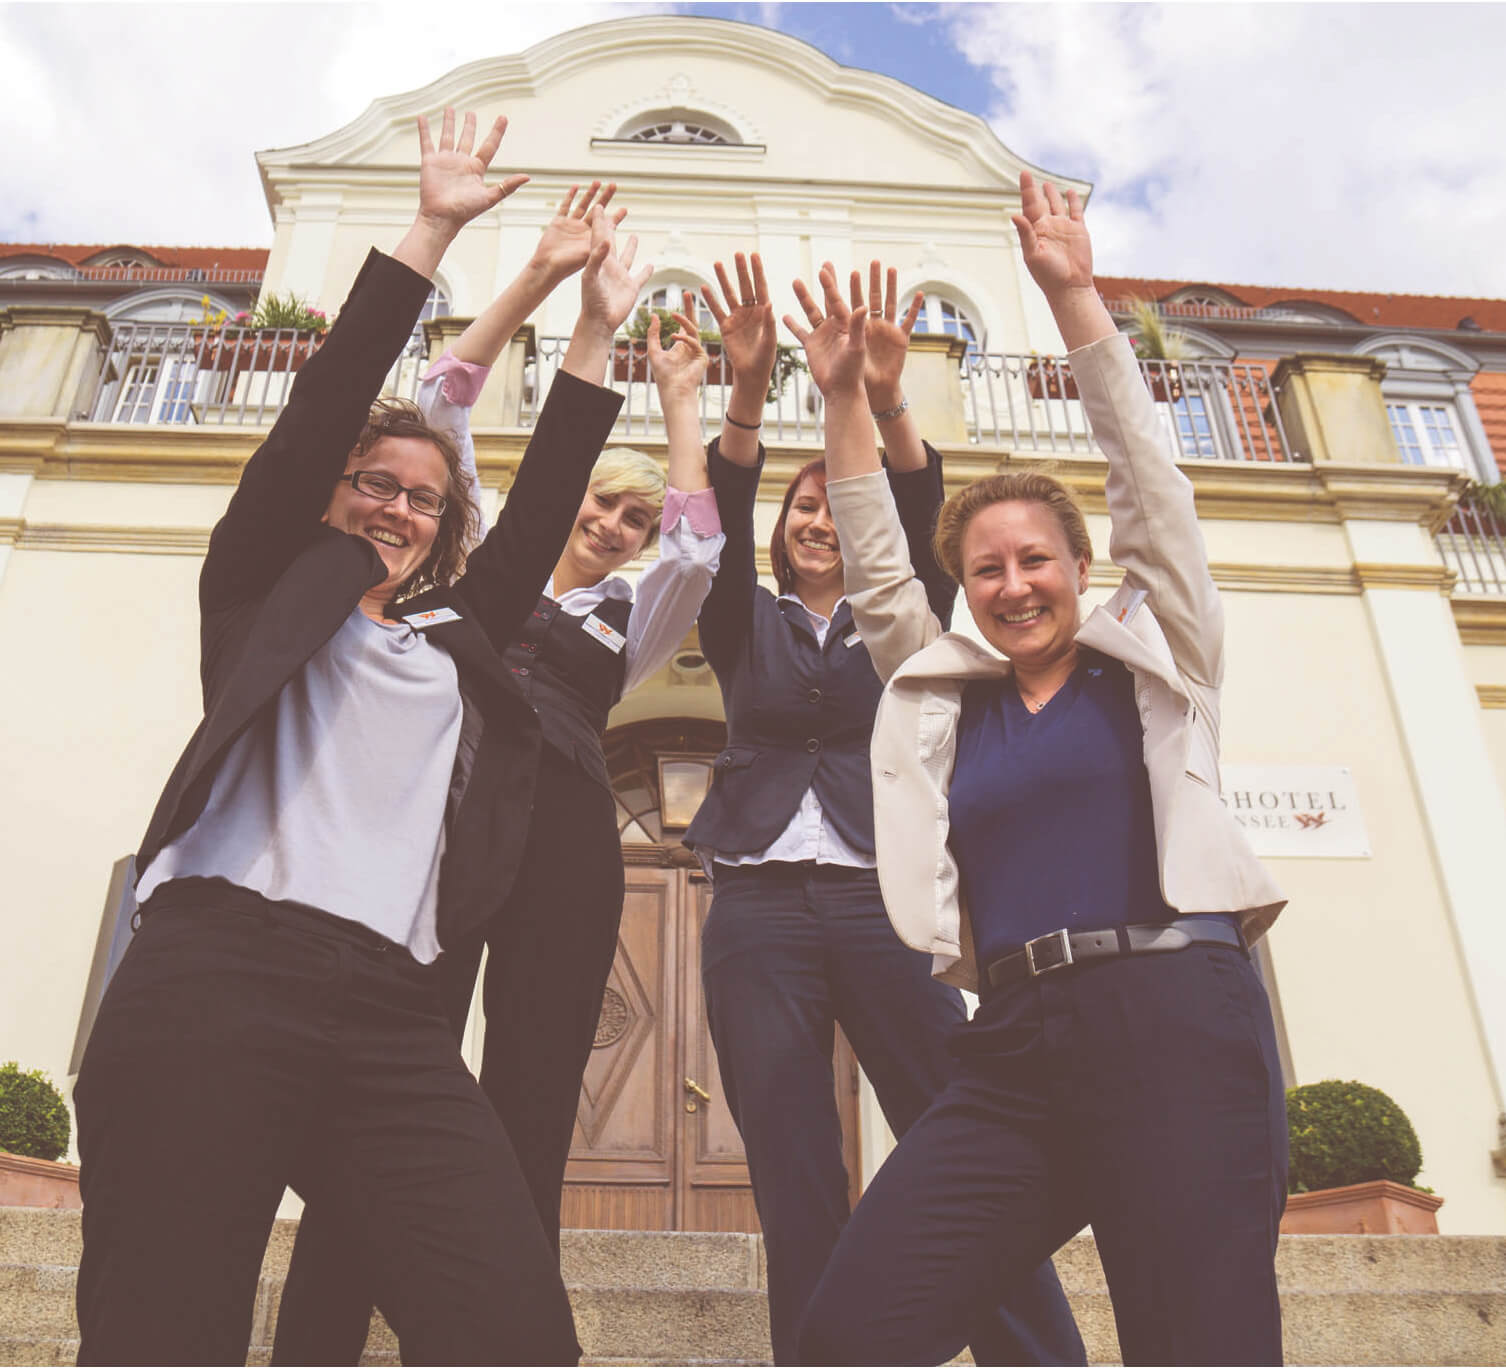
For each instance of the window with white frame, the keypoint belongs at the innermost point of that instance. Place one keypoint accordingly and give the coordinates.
(1429, 404)
(680, 127)
(668, 293)
(944, 313)
(1425, 434)
(157, 389)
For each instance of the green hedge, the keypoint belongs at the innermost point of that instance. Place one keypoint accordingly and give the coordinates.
(33, 1115)
(1343, 1133)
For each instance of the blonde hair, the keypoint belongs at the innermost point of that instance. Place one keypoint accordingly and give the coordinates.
(622, 470)
(1025, 486)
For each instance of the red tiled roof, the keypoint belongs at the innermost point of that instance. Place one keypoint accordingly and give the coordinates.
(1489, 392)
(183, 258)
(1443, 312)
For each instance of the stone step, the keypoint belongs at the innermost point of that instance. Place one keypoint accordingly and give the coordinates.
(660, 1297)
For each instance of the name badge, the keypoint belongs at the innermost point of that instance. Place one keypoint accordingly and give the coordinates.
(605, 633)
(431, 617)
(1136, 598)
(853, 638)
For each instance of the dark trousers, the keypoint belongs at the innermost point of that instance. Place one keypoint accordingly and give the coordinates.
(787, 950)
(551, 947)
(244, 1045)
(1142, 1095)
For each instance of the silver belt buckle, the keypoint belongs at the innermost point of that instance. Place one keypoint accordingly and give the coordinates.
(1048, 952)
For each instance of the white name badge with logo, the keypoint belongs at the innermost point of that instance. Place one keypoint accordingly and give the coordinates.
(605, 633)
(431, 617)
(851, 639)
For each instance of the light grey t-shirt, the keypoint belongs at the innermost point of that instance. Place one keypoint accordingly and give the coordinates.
(335, 796)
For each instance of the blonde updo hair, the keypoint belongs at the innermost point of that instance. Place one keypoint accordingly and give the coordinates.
(622, 470)
(1025, 486)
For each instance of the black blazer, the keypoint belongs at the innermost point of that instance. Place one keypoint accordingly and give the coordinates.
(277, 583)
(799, 715)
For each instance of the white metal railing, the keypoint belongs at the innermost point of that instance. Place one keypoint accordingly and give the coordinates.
(792, 415)
(187, 373)
(1211, 410)
(1473, 545)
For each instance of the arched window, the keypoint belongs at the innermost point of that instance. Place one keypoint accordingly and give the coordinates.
(169, 306)
(679, 127)
(33, 268)
(1428, 400)
(944, 313)
(668, 292)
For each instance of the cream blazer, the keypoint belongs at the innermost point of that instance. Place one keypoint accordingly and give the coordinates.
(1165, 622)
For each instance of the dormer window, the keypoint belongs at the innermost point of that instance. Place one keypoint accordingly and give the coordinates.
(679, 128)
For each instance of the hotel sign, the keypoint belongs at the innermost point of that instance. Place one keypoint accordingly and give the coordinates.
(1301, 810)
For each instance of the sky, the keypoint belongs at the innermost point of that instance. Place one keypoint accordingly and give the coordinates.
(1344, 146)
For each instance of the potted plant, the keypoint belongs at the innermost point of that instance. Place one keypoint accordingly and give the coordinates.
(33, 1136)
(297, 330)
(1161, 346)
(1050, 377)
(1354, 1155)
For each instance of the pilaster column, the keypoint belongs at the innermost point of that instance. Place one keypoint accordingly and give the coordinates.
(50, 357)
(933, 385)
(1333, 409)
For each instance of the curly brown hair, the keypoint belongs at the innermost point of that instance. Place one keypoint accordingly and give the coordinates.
(779, 557)
(1022, 486)
(459, 524)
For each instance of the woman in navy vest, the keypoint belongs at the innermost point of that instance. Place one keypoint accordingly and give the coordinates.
(590, 639)
(797, 938)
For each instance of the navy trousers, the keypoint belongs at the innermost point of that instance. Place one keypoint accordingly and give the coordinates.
(244, 1045)
(551, 948)
(1143, 1096)
(787, 950)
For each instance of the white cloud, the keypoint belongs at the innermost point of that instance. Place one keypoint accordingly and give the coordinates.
(1337, 146)
(138, 123)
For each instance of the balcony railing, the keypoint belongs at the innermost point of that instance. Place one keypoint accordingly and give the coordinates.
(792, 415)
(186, 373)
(1473, 545)
(1210, 410)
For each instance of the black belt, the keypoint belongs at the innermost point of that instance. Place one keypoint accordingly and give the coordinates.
(1062, 949)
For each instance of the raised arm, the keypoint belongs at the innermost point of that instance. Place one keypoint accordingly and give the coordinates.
(285, 487)
(1154, 533)
(749, 341)
(889, 603)
(609, 289)
(672, 589)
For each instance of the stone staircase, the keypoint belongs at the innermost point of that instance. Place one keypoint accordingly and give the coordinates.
(646, 1297)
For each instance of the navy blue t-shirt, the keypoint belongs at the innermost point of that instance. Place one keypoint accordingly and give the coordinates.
(1051, 820)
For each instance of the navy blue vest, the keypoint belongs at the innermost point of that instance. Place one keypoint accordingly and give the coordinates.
(572, 677)
(798, 716)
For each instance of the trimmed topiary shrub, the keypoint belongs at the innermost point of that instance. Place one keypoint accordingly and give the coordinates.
(33, 1115)
(1343, 1133)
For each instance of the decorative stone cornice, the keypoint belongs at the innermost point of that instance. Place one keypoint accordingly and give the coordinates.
(126, 540)
(1491, 695)
(57, 316)
(1392, 493)
(1481, 621)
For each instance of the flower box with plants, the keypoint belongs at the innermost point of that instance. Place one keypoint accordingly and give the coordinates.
(1158, 348)
(34, 1131)
(1354, 1155)
(630, 353)
(280, 335)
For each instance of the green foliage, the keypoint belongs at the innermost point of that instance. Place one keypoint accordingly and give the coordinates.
(33, 1115)
(1343, 1133)
(1153, 340)
(284, 311)
(1489, 499)
(787, 359)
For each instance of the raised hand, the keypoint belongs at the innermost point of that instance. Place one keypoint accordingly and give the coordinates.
(888, 341)
(566, 241)
(835, 346)
(610, 287)
(746, 323)
(452, 188)
(679, 368)
(1053, 237)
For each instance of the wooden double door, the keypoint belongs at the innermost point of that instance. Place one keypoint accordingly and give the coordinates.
(655, 1147)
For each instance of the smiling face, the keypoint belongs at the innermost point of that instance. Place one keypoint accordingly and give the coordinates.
(402, 537)
(610, 530)
(1022, 581)
(810, 539)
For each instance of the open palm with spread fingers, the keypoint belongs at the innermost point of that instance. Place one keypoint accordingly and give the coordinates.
(834, 343)
(1058, 252)
(610, 287)
(888, 340)
(746, 323)
(679, 367)
(452, 188)
(565, 243)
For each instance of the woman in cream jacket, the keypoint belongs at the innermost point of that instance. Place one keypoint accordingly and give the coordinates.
(1049, 828)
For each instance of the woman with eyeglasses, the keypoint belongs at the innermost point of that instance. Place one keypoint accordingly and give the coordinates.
(589, 639)
(351, 802)
(796, 939)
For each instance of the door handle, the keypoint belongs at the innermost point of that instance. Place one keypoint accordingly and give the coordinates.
(694, 1091)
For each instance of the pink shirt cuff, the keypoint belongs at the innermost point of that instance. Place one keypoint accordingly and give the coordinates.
(699, 509)
(462, 379)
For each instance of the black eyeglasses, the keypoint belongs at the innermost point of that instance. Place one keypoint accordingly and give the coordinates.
(375, 485)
